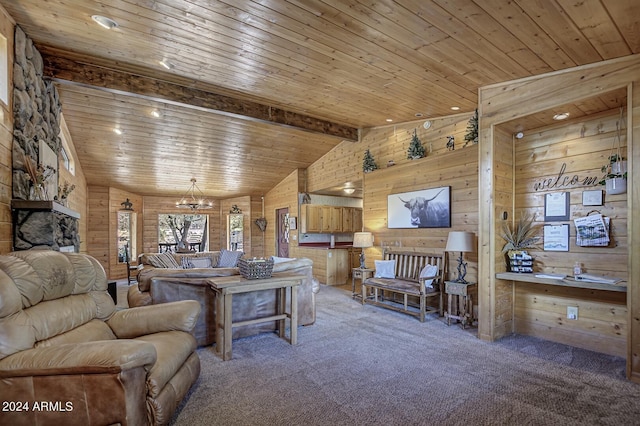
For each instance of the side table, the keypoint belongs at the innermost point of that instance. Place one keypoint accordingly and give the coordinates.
(226, 287)
(362, 275)
(463, 302)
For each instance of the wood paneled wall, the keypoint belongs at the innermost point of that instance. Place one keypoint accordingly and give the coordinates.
(283, 195)
(6, 141)
(582, 146)
(257, 236)
(78, 198)
(244, 204)
(457, 169)
(98, 232)
(517, 99)
(103, 205)
(344, 163)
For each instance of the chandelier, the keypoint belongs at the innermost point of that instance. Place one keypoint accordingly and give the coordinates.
(194, 199)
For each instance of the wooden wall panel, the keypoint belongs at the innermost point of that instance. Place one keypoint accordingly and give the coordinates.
(257, 236)
(541, 311)
(500, 307)
(117, 196)
(283, 195)
(344, 163)
(98, 231)
(458, 169)
(6, 141)
(244, 204)
(77, 200)
(504, 103)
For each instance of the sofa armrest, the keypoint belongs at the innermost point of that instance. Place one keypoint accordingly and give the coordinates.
(173, 316)
(104, 356)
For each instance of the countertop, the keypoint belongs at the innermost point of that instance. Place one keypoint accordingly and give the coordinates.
(326, 246)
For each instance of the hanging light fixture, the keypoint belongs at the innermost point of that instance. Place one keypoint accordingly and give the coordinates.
(194, 199)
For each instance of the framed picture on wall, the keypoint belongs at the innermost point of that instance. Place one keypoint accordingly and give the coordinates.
(426, 208)
(556, 237)
(556, 206)
(592, 198)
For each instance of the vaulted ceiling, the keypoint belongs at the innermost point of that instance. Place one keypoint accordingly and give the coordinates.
(256, 89)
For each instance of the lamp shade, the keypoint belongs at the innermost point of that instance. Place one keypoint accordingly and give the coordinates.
(363, 239)
(460, 241)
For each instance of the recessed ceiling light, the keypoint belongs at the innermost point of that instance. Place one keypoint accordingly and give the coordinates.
(117, 131)
(519, 135)
(105, 22)
(155, 114)
(389, 120)
(418, 114)
(455, 108)
(349, 190)
(165, 63)
(561, 116)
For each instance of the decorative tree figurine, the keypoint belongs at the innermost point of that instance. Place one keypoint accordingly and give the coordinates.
(368, 164)
(471, 137)
(416, 150)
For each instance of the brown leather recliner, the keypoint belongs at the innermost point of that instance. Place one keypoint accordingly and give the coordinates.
(68, 357)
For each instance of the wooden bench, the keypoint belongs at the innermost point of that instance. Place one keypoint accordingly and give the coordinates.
(407, 283)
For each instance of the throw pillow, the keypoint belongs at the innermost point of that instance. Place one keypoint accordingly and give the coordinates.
(164, 260)
(281, 259)
(429, 271)
(200, 262)
(385, 268)
(229, 259)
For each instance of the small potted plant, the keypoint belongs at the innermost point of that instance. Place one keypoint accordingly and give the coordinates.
(615, 172)
(615, 175)
(519, 236)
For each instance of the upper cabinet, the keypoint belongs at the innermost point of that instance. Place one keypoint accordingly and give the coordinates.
(329, 219)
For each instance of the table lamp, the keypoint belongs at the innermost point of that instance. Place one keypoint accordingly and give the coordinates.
(362, 240)
(463, 242)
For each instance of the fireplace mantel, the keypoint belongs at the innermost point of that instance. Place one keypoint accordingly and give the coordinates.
(43, 206)
(44, 223)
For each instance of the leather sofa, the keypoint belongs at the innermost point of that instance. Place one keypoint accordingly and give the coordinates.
(67, 356)
(161, 285)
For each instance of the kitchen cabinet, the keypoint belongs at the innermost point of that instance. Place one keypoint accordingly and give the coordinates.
(310, 219)
(330, 266)
(329, 219)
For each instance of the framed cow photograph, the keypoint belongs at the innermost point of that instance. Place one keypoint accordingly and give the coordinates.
(426, 208)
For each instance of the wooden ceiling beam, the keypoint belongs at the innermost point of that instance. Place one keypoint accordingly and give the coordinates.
(80, 73)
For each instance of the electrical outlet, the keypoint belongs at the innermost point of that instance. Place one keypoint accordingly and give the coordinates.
(572, 312)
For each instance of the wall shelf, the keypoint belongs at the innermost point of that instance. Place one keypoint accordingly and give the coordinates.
(566, 282)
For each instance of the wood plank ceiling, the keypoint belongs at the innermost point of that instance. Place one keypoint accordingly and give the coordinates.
(330, 66)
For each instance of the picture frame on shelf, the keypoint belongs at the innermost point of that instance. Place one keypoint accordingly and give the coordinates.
(592, 197)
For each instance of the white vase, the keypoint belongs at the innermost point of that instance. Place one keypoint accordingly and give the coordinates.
(616, 186)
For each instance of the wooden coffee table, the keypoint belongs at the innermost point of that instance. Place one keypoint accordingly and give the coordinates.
(226, 287)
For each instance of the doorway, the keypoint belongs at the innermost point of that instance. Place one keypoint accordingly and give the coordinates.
(282, 232)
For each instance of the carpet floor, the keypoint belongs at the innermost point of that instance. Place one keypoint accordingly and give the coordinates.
(364, 365)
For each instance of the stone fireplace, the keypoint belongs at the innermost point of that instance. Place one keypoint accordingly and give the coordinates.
(44, 223)
(36, 129)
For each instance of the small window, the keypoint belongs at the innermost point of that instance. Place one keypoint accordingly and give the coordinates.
(66, 158)
(4, 71)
